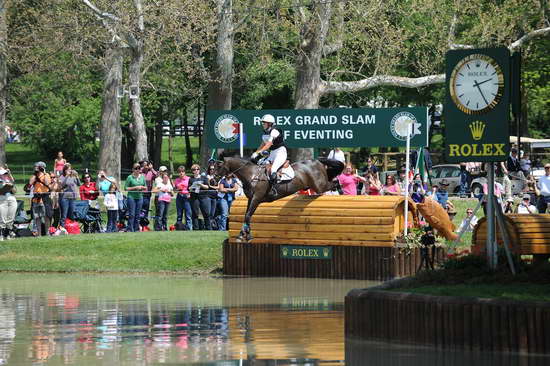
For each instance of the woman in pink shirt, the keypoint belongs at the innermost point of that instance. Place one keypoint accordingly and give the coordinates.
(391, 188)
(348, 181)
(183, 202)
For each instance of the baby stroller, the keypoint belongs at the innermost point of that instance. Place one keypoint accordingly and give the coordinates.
(22, 221)
(88, 217)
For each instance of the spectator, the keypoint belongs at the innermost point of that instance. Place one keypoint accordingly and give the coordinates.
(337, 154)
(8, 204)
(59, 163)
(441, 195)
(470, 221)
(150, 176)
(391, 188)
(371, 168)
(111, 203)
(54, 197)
(372, 186)
(162, 170)
(68, 186)
(525, 164)
(530, 188)
(212, 193)
(164, 191)
(88, 190)
(135, 185)
(464, 180)
(348, 180)
(543, 190)
(41, 204)
(498, 192)
(502, 172)
(200, 202)
(104, 182)
(226, 195)
(183, 203)
(509, 206)
(417, 192)
(525, 206)
(513, 165)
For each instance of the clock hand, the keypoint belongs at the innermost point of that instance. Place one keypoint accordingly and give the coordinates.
(476, 84)
(482, 82)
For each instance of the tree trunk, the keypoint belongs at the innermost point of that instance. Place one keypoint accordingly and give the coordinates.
(188, 150)
(111, 134)
(3, 78)
(220, 88)
(138, 129)
(308, 66)
(157, 143)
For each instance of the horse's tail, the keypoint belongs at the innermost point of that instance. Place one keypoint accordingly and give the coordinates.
(334, 167)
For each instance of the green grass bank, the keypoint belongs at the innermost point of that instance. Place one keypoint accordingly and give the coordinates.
(176, 251)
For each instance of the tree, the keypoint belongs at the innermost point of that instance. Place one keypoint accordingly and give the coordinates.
(399, 29)
(125, 38)
(3, 77)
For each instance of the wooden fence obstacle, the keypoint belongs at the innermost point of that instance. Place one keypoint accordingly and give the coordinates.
(529, 234)
(360, 230)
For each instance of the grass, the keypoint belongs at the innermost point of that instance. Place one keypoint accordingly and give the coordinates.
(177, 251)
(522, 292)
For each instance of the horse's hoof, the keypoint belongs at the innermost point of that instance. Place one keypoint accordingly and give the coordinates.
(239, 239)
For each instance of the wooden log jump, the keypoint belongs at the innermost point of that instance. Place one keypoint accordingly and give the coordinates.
(360, 232)
(529, 234)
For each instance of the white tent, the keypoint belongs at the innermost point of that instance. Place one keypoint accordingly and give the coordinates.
(535, 143)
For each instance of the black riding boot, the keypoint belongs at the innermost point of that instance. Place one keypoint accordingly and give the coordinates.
(272, 182)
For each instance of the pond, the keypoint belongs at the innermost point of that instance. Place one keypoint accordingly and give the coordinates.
(67, 319)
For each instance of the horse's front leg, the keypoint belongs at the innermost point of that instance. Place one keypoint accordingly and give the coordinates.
(250, 209)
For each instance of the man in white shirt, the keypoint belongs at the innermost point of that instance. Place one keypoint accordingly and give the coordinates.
(543, 188)
(337, 154)
(525, 206)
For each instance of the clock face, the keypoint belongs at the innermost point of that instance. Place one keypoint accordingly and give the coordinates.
(476, 84)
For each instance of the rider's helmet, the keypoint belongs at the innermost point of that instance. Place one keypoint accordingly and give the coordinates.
(270, 120)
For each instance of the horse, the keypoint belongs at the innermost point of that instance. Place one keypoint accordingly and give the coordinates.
(309, 174)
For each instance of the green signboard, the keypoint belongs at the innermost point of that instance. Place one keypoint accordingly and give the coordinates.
(477, 107)
(303, 128)
(305, 252)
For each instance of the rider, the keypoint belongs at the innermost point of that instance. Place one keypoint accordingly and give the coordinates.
(272, 140)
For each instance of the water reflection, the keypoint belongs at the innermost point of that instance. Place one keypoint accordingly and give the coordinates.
(84, 320)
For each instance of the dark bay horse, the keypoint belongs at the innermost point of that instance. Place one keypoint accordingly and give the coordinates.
(309, 174)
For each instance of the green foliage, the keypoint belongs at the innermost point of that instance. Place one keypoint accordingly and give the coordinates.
(58, 112)
(265, 85)
(536, 82)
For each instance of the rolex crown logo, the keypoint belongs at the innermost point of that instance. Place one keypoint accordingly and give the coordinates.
(477, 128)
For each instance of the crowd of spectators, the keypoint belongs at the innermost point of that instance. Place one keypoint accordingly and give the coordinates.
(203, 202)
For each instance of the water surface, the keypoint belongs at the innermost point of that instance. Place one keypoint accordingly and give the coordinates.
(55, 319)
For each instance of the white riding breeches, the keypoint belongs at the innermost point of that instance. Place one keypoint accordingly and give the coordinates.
(277, 158)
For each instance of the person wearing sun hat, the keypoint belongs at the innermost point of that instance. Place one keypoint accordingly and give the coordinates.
(441, 195)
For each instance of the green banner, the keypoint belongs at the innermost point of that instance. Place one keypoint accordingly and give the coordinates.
(303, 128)
(477, 107)
(305, 252)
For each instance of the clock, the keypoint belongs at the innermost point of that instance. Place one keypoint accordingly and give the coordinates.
(477, 84)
